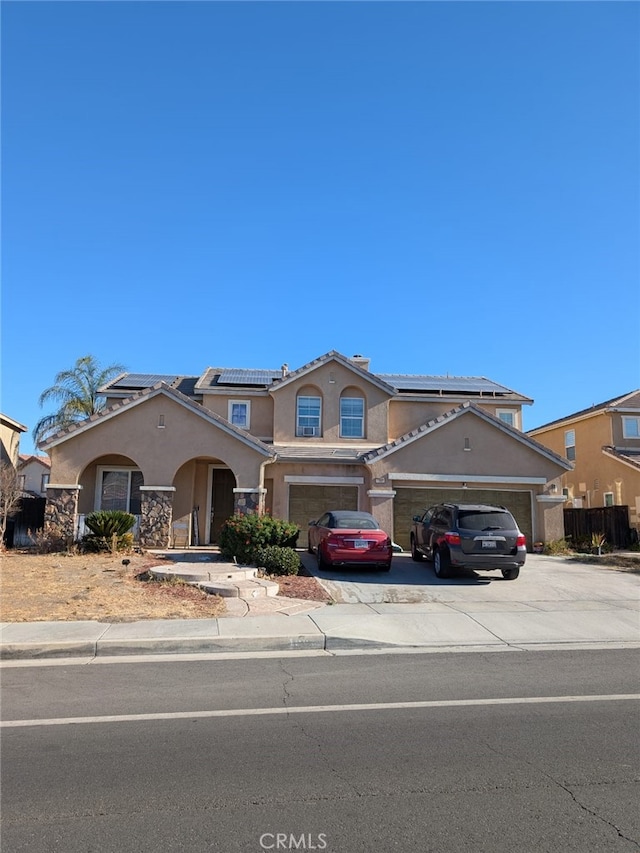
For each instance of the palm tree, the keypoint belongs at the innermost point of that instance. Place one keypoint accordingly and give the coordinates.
(77, 392)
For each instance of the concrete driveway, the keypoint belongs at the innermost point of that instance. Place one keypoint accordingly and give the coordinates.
(548, 583)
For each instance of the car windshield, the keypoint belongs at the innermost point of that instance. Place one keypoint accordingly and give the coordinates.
(349, 522)
(485, 520)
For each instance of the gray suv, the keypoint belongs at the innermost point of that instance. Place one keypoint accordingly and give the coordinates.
(482, 537)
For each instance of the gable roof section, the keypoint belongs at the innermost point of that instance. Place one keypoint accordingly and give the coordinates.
(460, 411)
(26, 458)
(147, 394)
(631, 400)
(626, 457)
(229, 378)
(332, 355)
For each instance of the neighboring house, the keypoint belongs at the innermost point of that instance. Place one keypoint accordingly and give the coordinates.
(188, 451)
(34, 472)
(603, 443)
(10, 431)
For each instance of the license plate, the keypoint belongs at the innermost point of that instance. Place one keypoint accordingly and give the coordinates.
(488, 543)
(360, 543)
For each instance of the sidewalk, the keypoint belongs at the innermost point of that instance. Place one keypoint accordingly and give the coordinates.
(338, 629)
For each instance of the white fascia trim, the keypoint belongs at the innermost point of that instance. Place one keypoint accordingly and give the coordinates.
(326, 481)
(375, 493)
(551, 499)
(157, 488)
(469, 478)
(63, 486)
(249, 491)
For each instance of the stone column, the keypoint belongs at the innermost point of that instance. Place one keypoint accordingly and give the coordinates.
(60, 512)
(249, 501)
(156, 512)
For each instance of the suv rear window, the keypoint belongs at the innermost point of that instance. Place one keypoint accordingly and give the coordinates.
(483, 520)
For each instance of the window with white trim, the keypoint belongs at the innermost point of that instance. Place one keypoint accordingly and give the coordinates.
(240, 413)
(351, 417)
(570, 444)
(608, 498)
(119, 488)
(630, 427)
(44, 482)
(508, 416)
(308, 416)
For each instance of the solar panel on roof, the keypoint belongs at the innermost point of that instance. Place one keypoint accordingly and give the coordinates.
(442, 383)
(143, 380)
(238, 376)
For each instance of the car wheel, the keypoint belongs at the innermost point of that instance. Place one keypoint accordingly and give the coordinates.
(322, 565)
(510, 574)
(416, 556)
(441, 564)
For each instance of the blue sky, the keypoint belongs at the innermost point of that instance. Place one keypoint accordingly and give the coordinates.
(443, 187)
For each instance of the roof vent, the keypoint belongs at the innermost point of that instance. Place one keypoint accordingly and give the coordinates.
(361, 361)
(285, 370)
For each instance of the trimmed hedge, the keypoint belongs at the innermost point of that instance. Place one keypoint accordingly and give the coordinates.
(242, 535)
(276, 560)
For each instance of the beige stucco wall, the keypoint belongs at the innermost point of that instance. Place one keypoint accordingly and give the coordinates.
(406, 415)
(492, 452)
(261, 410)
(158, 452)
(9, 442)
(329, 382)
(279, 497)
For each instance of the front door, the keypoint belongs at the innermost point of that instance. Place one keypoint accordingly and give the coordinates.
(222, 504)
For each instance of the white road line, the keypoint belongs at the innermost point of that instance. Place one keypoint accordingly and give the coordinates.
(316, 709)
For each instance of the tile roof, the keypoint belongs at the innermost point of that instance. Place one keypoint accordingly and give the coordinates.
(631, 399)
(629, 456)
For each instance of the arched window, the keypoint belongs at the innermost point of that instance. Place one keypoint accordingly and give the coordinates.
(351, 414)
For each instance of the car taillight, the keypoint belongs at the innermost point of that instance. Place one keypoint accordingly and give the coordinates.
(452, 538)
(521, 541)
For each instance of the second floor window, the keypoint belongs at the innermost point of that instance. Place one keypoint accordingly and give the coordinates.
(570, 444)
(631, 427)
(508, 416)
(239, 413)
(308, 416)
(352, 417)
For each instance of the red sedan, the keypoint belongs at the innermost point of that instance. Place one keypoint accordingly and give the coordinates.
(349, 538)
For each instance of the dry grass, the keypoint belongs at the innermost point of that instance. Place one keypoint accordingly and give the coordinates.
(98, 587)
(621, 562)
(70, 587)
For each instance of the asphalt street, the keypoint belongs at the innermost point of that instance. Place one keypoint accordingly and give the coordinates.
(529, 751)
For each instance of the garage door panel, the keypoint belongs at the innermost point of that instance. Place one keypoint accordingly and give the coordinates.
(307, 503)
(409, 502)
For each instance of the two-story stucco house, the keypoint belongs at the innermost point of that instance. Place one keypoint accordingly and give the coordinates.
(603, 443)
(34, 472)
(182, 451)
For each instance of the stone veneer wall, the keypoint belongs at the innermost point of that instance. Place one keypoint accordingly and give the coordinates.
(60, 513)
(155, 519)
(249, 503)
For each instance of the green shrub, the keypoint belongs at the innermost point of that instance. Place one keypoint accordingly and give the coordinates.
(276, 560)
(106, 522)
(242, 535)
(109, 531)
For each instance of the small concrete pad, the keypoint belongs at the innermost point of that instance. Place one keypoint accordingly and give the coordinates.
(51, 639)
(382, 630)
(556, 627)
(403, 609)
(275, 632)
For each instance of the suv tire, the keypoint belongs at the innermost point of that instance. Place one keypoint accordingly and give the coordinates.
(441, 564)
(416, 556)
(510, 574)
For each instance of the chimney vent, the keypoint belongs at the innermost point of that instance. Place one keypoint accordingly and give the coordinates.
(361, 361)
(285, 370)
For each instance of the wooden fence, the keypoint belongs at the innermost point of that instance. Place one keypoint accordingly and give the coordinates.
(612, 521)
